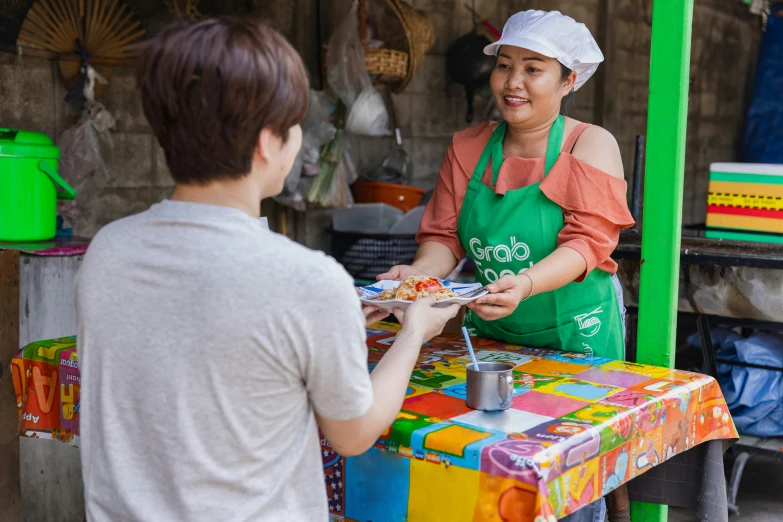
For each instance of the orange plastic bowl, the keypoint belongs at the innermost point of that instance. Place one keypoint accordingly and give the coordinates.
(401, 196)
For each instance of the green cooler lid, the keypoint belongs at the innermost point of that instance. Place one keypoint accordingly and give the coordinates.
(26, 144)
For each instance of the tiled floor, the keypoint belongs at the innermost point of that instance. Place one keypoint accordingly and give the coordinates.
(760, 495)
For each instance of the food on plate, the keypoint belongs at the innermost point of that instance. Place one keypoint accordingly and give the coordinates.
(415, 287)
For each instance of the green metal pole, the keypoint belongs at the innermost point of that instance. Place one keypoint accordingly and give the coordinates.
(667, 116)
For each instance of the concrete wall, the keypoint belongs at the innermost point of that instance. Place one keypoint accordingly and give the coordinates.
(725, 43)
(31, 98)
(723, 57)
(725, 40)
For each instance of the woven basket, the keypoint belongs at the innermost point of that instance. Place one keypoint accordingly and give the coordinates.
(388, 65)
(395, 65)
(421, 38)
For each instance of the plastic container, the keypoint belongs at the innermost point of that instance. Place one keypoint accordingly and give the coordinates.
(375, 218)
(409, 223)
(403, 197)
(29, 186)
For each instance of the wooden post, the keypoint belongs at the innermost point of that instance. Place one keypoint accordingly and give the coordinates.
(10, 488)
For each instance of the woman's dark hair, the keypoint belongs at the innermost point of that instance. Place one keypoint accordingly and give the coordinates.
(209, 88)
(567, 104)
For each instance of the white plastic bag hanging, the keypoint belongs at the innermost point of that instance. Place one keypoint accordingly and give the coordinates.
(346, 74)
(369, 116)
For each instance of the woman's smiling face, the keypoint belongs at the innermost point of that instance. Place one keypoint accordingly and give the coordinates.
(528, 87)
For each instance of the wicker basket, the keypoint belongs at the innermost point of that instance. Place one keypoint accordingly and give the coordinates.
(387, 65)
(394, 65)
(421, 38)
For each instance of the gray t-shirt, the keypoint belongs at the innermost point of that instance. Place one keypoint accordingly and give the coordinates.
(206, 343)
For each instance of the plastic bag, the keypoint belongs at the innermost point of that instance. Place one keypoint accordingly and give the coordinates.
(331, 187)
(346, 71)
(316, 131)
(346, 74)
(763, 129)
(369, 116)
(85, 150)
(741, 292)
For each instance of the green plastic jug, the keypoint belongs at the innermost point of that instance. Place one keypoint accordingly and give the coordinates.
(29, 186)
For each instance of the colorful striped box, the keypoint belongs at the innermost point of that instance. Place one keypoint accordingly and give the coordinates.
(745, 202)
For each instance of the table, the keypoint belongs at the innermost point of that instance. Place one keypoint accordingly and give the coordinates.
(716, 252)
(704, 251)
(579, 427)
(57, 247)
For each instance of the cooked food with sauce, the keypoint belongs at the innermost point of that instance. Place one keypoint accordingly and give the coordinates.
(418, 286)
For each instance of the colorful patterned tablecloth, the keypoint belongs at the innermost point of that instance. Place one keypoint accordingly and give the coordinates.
(578, 428)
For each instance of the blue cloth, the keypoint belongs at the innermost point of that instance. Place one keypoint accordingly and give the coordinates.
(595, 512)
(764, 125)
(754, 396)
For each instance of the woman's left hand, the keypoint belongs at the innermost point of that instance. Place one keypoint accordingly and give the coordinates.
(505, 294)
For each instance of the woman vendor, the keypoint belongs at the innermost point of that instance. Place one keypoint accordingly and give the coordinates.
(537, 201)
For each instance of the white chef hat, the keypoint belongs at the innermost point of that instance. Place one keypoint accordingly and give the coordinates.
(555, 35)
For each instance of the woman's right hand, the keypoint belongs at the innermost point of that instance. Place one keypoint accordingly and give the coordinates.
(402, 272)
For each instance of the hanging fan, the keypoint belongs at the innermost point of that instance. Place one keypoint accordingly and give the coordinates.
(107, 30)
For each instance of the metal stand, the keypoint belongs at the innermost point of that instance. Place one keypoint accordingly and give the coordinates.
(707, 348)
(734, 481)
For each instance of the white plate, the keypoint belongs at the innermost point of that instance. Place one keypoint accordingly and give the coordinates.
(369, 295)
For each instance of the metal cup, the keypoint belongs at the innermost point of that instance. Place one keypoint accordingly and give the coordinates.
(491, 388)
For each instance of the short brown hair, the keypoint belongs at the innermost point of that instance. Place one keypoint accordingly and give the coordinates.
(209, 88)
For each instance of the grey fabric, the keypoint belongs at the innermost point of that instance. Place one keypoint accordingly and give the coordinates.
(693, 479)
(214, 341)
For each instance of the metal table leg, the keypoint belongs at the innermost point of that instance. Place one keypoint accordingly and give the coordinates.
(707, 349)
(734, 481)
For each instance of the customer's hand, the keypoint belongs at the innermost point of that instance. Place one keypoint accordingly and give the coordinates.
(504, 296)
(373, 314)
(402, 272)
(424, 320)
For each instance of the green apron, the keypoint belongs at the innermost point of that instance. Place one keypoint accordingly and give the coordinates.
(506, 235)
